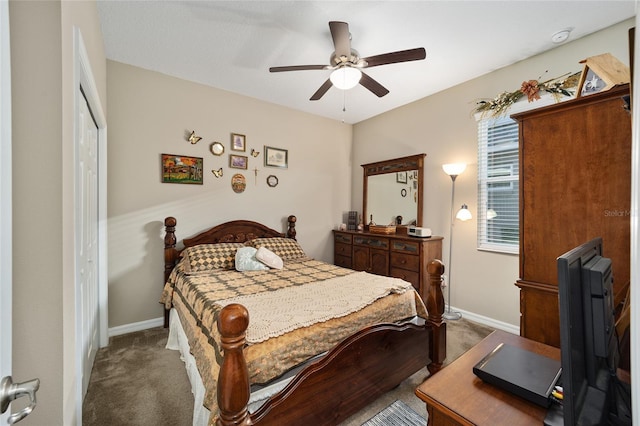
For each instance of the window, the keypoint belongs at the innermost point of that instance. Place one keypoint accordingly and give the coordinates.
(498, 185)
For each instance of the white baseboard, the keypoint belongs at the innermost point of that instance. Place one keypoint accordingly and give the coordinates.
(136, 326)
(489, 322)
(158, 322)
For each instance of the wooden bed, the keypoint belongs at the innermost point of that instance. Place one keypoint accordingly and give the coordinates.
(328, 390)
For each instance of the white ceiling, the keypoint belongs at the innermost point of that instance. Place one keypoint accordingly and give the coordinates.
(231, 44)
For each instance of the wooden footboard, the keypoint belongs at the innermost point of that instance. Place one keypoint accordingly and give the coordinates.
(353, 374)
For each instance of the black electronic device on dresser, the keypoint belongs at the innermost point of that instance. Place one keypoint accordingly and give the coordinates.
(592, 392)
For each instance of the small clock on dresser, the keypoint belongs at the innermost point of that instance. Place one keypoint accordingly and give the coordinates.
(272, 181)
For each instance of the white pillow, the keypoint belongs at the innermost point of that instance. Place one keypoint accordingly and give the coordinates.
(269, 258)
(246, 260)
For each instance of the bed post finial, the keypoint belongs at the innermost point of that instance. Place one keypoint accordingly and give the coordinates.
(233, 379)
(435, 307)
(170, 254)
(435, 298)
(170, 229)
(291, 232)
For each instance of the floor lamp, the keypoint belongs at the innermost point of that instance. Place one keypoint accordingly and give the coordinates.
(453, 170)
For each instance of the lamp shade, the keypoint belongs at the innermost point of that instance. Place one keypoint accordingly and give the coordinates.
(463, 214)
(454, 169)
(345, 77)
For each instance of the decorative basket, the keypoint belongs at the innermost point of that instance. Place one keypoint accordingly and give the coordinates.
(379, 229)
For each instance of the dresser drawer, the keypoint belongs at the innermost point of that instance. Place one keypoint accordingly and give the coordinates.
(343, 261)
(342, 238)
(411, 247)
(342, 249)
(410, 276)
(379, 243)
(405, 261)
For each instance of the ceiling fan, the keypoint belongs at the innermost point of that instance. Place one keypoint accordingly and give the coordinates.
(346, 64)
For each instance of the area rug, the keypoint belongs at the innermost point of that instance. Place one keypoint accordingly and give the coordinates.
(396, 414)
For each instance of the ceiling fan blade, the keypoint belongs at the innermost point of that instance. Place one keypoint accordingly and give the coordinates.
(395, 57)
(297, 68)
(376, 88)
(321, 91)
(341, 38)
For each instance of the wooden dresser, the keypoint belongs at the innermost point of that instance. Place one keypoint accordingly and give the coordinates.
(393, 255)
(575, 184)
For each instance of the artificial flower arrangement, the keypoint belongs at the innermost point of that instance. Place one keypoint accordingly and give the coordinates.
(558, 87)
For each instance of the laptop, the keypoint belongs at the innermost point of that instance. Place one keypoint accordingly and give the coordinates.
(527, 374)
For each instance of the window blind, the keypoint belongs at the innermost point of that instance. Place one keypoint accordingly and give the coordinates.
(498, 185)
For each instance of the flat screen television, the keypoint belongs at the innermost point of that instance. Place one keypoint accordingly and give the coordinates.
(592, 394)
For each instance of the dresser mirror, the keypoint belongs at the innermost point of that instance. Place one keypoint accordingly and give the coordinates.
(393, 188)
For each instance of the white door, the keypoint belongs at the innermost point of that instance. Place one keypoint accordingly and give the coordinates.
(87, 235)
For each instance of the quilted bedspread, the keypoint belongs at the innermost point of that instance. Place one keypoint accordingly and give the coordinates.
(199, 297)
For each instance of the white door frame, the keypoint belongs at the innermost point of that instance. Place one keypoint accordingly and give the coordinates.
(83, 78)
(6, 258)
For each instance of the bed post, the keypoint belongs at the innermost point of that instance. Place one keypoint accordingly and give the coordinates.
(435, 307)
(291, 232)
(233, 379)
(170, 254)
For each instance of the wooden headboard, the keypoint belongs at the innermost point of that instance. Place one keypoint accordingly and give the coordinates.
(235, 231)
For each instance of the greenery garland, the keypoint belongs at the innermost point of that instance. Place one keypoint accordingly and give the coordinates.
(558, 87)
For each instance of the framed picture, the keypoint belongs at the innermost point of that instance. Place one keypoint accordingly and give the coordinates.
(276, 157)
(238, 142)
(238, 161)
(181, 169)
(401, 177)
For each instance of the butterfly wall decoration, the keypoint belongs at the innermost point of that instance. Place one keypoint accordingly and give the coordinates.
(217, 173)
(254, 153)
(193, 138)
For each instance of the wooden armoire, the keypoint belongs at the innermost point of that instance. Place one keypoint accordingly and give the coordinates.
(575, 184)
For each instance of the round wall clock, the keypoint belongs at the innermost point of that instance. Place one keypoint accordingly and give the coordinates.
(272, 181)
(217, 148)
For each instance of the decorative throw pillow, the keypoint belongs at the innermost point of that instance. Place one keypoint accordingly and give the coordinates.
(246, 260)
(206, 257)
(286, 248)
(269, 258)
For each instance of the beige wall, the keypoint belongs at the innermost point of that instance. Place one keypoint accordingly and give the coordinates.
(443, 126)
(42, 122)
(149, 114)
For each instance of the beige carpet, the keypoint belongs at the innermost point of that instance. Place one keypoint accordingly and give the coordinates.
(135, 381)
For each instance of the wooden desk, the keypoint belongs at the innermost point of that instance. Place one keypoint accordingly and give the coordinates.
(456, 396)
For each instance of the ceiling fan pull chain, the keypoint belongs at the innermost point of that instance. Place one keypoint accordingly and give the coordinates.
(344, 105)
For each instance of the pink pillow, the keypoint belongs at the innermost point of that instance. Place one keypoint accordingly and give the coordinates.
(269, 258)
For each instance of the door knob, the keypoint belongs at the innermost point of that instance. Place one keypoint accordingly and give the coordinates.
(10, 391)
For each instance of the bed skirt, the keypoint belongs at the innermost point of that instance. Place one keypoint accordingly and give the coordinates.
(177, 341)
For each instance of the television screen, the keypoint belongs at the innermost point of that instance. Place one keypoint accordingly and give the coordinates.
(591, 391)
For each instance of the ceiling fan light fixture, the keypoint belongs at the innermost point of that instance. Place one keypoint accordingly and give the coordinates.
(345, 78)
